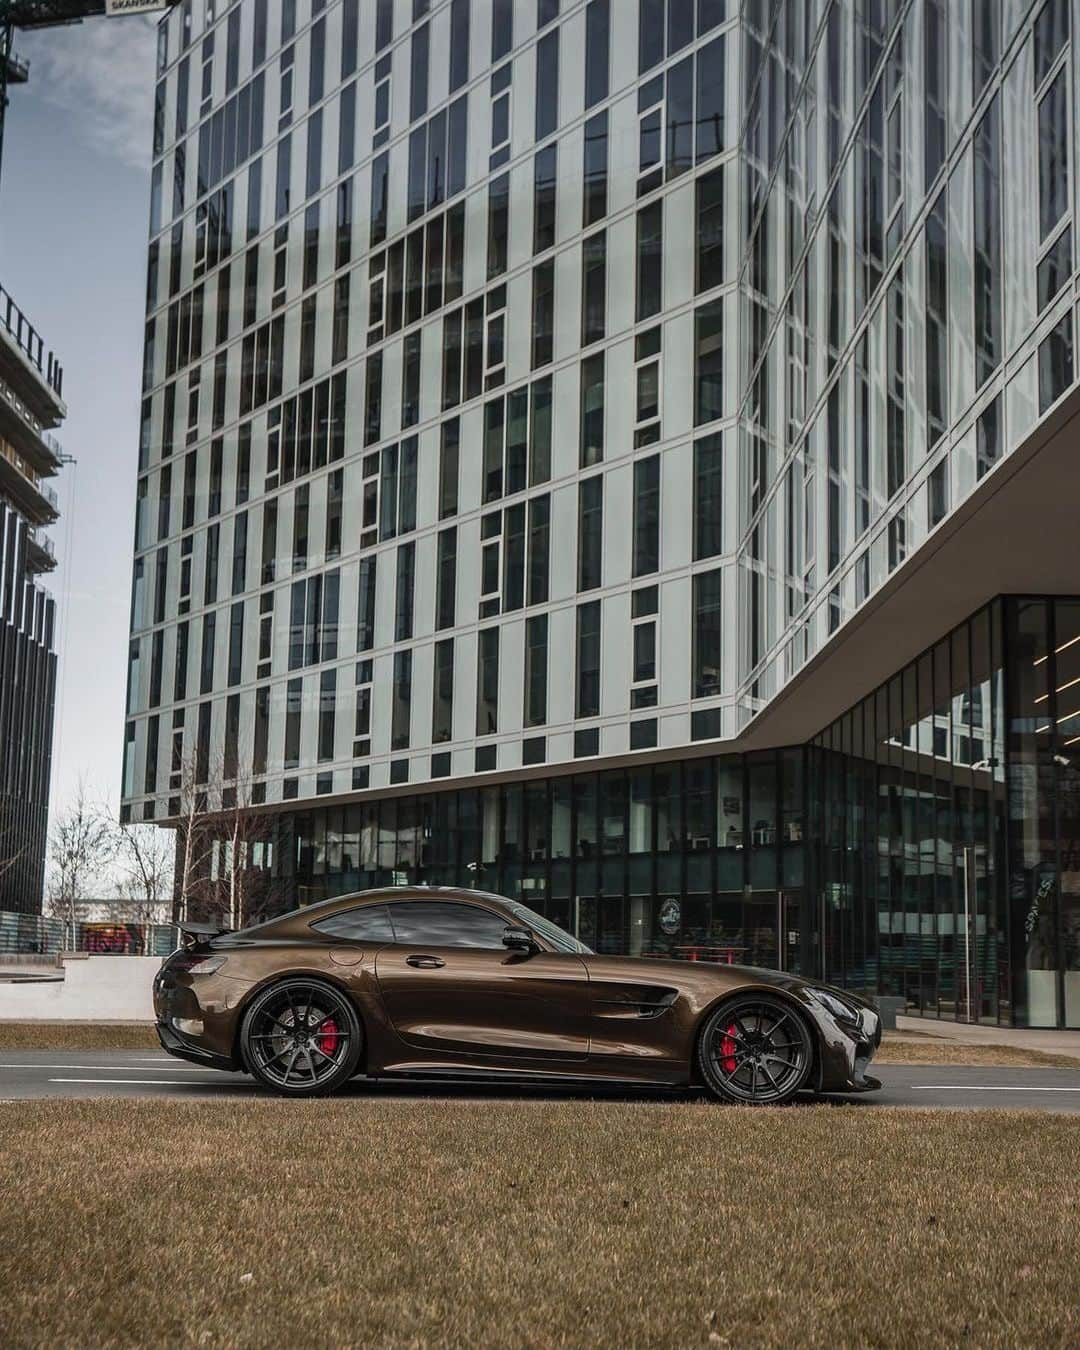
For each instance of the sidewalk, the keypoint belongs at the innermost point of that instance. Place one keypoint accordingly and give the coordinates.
(1023, 1038)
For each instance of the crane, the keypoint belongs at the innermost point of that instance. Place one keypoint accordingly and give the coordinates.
(27, 15)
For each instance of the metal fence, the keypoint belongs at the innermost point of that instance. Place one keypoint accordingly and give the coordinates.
(37, 935)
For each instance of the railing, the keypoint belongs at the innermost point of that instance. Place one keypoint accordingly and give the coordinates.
(30, 935)
(43, 542)
(30, 342)
(10, 396)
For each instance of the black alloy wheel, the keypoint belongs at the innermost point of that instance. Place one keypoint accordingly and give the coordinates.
(755, 1050)
(301, 1038)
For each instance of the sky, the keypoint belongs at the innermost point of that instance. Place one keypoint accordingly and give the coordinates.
(74, 195)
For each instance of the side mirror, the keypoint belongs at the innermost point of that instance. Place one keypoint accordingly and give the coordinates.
(519, 940)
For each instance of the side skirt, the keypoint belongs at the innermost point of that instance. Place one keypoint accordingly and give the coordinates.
(519, 1076)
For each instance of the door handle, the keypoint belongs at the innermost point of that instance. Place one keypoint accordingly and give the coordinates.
(424, 962)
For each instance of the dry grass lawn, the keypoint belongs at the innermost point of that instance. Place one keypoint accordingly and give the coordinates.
(77, 1036)
(381, 1223)
(914, 1048)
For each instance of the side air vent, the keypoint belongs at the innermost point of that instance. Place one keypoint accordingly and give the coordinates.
(638, 1003)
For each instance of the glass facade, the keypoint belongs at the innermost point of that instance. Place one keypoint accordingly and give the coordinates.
(944, 819)
(702, 859)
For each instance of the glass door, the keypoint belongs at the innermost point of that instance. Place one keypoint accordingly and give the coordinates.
(791, 931)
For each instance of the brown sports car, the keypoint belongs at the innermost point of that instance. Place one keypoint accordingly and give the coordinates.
(431, 981)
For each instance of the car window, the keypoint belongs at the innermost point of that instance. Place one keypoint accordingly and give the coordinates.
(436, 924)
(368, 923)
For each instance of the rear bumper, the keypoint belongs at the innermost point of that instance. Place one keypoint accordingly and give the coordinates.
(175, 1044)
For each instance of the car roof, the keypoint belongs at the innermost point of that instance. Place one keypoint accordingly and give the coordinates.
(306, 915)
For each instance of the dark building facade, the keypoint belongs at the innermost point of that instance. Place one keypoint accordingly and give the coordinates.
(30, 404)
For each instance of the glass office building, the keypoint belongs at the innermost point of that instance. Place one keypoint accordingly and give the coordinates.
(581, 442)
(31, 402)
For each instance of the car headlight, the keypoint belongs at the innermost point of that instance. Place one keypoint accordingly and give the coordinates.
(207, 966)
(838, 1007)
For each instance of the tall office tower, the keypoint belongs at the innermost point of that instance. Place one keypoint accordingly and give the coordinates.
(617, 453)
(31, 386)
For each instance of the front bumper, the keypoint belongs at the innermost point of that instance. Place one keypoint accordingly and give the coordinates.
(847, 1049)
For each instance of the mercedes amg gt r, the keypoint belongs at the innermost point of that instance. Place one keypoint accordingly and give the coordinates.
(433, 981)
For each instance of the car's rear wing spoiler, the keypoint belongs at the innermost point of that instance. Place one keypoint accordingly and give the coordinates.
(196, 935)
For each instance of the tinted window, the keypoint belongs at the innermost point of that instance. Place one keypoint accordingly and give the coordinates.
(371, 923)
(443, 925)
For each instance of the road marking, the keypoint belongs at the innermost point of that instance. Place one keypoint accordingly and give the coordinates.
(980, 1087)
(108, 1068)
(142, 1082)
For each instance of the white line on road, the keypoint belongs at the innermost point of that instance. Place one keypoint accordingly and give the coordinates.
(142, 1082)
(108, 1068)
(980, 1087)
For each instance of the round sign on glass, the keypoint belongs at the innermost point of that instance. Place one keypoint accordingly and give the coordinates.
(670, 916)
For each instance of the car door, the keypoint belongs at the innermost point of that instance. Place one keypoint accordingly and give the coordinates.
(453, 993)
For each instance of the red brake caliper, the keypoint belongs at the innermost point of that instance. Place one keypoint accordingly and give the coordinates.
(727, 1050)
(328, 1037)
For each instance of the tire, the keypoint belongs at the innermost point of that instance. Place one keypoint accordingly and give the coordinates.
(755, 1050)
(301, 1038)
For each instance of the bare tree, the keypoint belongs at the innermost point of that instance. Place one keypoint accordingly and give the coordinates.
(194, 844)
(81, 844)
(145, 861)
(226, 847)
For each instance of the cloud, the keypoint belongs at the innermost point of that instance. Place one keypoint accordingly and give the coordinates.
(101, 71)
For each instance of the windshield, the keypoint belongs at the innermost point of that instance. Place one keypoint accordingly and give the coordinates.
(558, 937)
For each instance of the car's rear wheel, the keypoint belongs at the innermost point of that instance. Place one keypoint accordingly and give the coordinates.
(301, 1038)
(755, 1050)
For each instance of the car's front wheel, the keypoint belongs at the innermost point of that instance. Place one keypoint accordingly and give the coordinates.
(755, 1050)
(301, 1038)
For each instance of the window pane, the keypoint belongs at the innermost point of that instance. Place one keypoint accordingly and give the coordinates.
(431, 924)
(536, 662)
(593, 287)
(371, 923)
(650, 34)
(1056, 363)
(487, 682)
(679, 115)
(597, 28)
(592, 410)
(590, 532)
(588, 659)
(708, 343)
(646, 515)
(547, 84)
(709, 134)
(987, 150)
(544, 171)
(937, 313)
(708, 486)
(649, 260)
(1053, 155)
(708, 624)
(595, 169)
(709, 191)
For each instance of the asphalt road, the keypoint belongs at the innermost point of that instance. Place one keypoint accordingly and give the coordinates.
(28, 1074)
